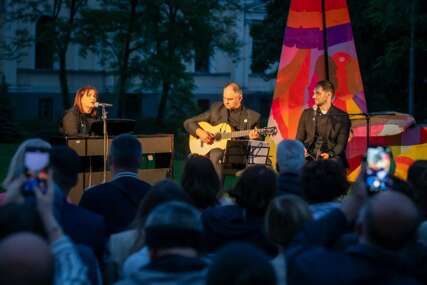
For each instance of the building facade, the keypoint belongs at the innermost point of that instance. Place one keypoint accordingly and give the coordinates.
(33, 86)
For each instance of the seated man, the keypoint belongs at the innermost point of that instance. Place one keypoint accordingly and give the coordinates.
(324, 129)
(230, 111)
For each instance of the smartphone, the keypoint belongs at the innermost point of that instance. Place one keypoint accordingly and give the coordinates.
(36, 163)
(377, 175)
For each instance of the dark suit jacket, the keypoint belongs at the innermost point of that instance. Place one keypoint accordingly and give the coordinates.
(219, 114)
(83, 227)
(117, 201)
(337, 135)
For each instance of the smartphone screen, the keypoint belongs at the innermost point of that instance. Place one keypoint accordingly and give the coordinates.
(378, 171)
(36, 162)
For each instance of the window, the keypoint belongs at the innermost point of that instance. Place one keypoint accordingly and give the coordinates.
(44, 50)
(46, 109)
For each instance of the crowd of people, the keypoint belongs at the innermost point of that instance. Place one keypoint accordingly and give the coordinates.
(302, 224)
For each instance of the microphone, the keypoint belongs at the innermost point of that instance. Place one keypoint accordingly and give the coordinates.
(97, 104)
(314, 112)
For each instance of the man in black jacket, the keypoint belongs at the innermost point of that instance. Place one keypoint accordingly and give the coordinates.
(118, 200)
(324, 129)
(230, 111)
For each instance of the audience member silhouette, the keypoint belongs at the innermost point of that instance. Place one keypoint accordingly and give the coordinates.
(290, 160)
(201, 181)
(322, 182)
(118, 200)
(173, 235)
(245, 220)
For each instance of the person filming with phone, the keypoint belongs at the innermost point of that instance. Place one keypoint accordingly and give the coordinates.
(324, 128)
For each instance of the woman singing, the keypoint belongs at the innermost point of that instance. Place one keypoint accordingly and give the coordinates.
(78, 119)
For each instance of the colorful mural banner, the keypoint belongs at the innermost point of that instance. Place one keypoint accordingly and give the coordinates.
(302, 64)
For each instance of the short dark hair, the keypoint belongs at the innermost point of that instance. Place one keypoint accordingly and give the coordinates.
(173, 224)
(323, 181)
(255, 189)
(125, 152)
(285, 216)
(326, 85)
(20, 218)
(65, 165)
(240, 263)
(201, 181)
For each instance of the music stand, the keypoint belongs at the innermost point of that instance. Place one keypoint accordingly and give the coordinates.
(240, 154)
(114, 127)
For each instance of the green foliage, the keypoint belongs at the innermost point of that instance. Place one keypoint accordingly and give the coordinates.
(56, 33)
(267, 38)
(152, 44)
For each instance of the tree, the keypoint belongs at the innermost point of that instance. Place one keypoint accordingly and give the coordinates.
(151, 41)
(268, 37)
(115, 34)
(57, 32)
(175, 30)
(393, 23)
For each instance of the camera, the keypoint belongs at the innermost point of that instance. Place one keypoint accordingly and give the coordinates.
(377, 176)
(36, 163)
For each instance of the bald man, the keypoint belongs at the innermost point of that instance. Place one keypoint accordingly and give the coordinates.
(231, 111)
(385, 225)
(25, 258)
(389, 220)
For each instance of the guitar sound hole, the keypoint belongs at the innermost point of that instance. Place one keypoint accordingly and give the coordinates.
(217, 136)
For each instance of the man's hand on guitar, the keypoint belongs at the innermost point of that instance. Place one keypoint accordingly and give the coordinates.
(253, 134)
(205, 136)
(324, 155)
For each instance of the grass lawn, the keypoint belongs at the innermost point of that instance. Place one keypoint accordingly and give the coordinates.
(6, 153)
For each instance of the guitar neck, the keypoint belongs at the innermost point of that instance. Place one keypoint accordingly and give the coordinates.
(235, 134)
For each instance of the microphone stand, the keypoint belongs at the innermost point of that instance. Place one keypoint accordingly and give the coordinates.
(367, 117)
(105, 141)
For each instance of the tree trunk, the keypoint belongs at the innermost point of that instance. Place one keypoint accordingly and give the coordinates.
(63, 79)
(123, 72)
(163, 101)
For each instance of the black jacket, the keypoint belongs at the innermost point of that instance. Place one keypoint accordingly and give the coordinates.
(117, 201)
(219, 114)
(76, 123)
(338, 132)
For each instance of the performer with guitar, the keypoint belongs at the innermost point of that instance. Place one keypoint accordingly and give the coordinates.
(324, 129)
(210, 130)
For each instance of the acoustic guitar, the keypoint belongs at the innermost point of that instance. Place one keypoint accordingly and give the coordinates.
(222, 133)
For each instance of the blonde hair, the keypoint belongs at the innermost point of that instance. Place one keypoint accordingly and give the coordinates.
(16, 166)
